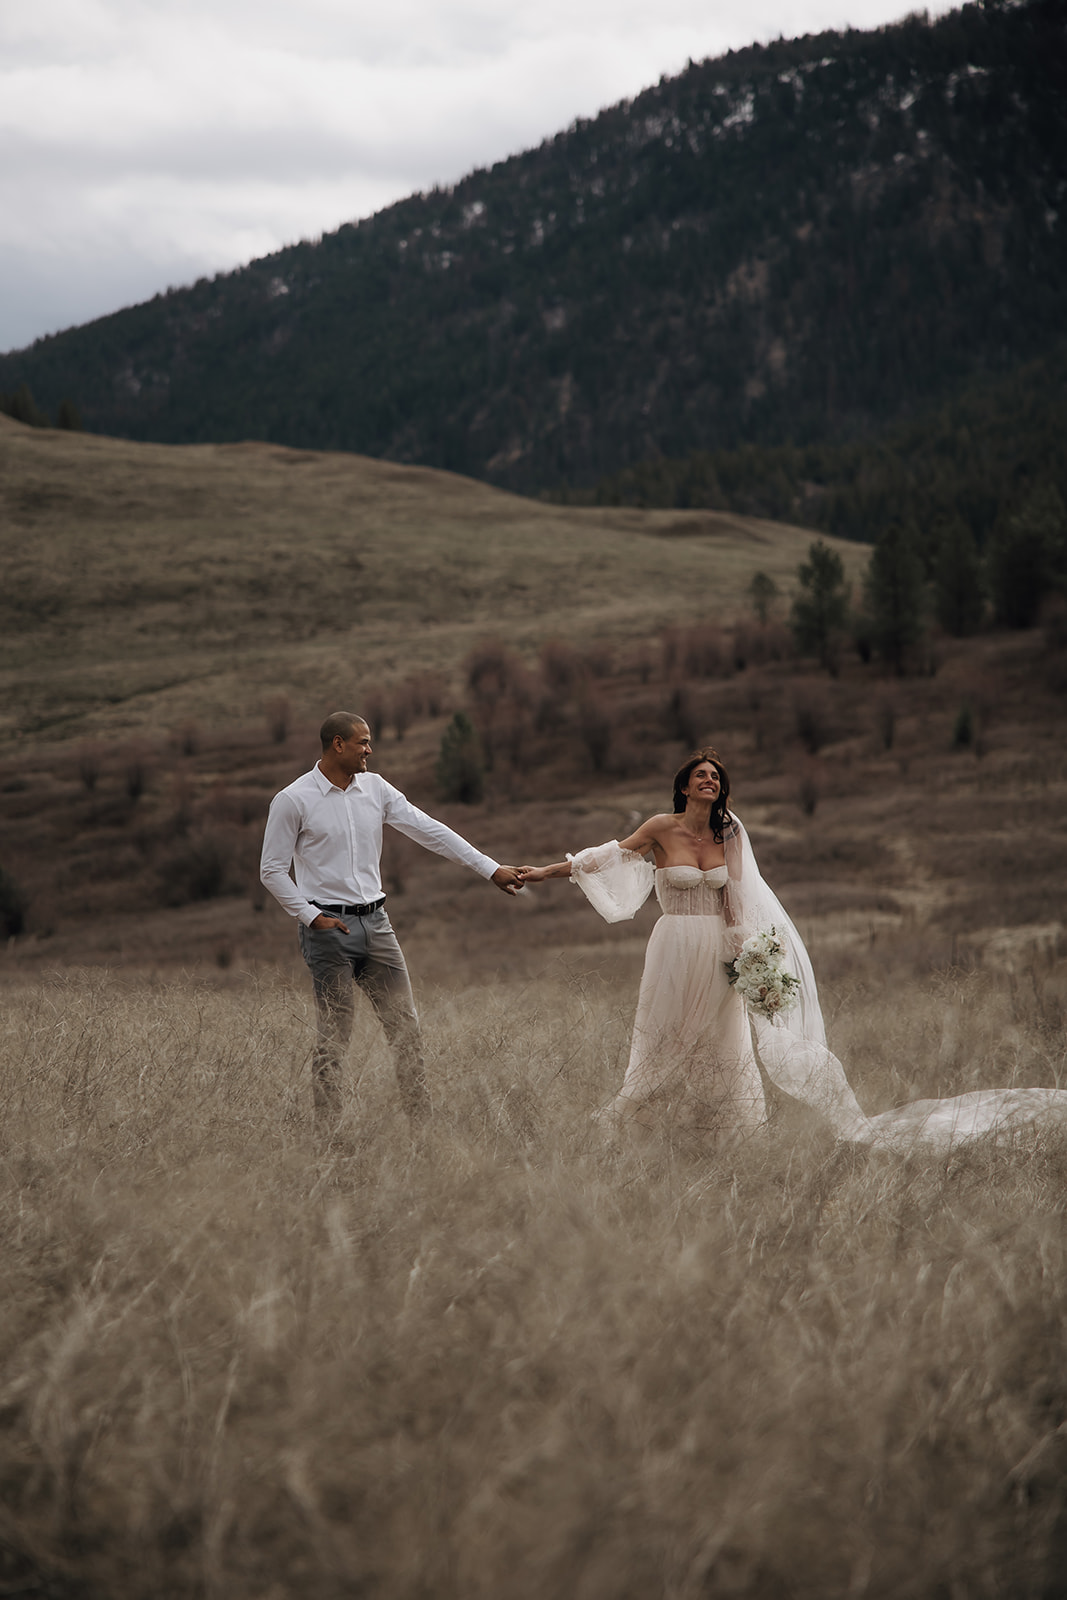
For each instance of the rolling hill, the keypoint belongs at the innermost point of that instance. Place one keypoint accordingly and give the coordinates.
(145, 582)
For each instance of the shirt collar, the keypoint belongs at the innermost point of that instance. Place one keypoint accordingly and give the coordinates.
(325, 785)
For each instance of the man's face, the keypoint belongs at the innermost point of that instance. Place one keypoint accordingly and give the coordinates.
(352, 753)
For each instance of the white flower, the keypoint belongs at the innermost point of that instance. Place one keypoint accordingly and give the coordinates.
(759, 975)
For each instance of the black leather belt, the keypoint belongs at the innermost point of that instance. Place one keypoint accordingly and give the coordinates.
(349, 911)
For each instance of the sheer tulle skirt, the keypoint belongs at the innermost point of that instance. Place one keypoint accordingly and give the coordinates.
(691, 1056)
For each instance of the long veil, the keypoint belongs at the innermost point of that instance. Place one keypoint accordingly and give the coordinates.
(792, 1050)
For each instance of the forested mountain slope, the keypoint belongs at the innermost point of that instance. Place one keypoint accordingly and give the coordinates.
(794, 243)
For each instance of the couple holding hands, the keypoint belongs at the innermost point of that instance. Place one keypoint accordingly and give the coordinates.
(693, 1056)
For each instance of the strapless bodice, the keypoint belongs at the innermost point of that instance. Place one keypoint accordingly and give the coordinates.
(691, 891)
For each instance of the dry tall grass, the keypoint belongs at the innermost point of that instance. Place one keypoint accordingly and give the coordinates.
(510, 1360)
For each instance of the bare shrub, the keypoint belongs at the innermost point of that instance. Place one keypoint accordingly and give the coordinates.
(811, 719)
(502, 693)
(595, 729)
(190, 738)
(547, 711)
(643, 662)
(179, 820)
(778, 643)
(700, 651)
(491, 670)
(562, 666)
(1054, 624)
(435, 693)
(745, 646)
(964, 731)
(403, 709)
(136, 773)
(885, 717)
(754, 644)
(597, 660)
(516, 737)
(13, 906)
(681, 715)
(279, 716)
(670, 652)
(89, 765)
(429, 693)
(809, 788)
(971, 725)
(200, 867)
(375, 709)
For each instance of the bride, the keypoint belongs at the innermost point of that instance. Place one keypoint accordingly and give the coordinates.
(692, 1055)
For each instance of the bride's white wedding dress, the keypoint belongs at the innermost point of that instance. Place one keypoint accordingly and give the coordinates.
(692, 1056)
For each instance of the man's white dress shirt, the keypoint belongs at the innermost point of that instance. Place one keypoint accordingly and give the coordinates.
(333, 837)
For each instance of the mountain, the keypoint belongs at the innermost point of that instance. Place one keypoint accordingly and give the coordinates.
(799, 242)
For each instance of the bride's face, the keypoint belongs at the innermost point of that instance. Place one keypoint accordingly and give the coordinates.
(703, 783)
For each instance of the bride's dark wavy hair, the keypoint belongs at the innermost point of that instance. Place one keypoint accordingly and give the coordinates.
(719, 812)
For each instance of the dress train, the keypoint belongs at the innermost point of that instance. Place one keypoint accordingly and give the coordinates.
(692, 1039)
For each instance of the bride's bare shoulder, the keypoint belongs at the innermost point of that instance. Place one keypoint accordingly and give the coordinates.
(650, 832)
(663, 823)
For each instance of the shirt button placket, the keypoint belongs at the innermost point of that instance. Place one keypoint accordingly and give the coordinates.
(353, 862)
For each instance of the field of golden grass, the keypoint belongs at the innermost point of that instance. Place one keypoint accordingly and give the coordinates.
(508, 1359)
(511, 1360)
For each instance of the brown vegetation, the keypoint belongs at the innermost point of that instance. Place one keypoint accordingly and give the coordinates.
(513, 1360)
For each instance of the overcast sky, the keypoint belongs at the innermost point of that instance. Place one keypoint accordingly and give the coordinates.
(146, 143)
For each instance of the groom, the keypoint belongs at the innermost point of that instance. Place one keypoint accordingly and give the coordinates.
(328, 826)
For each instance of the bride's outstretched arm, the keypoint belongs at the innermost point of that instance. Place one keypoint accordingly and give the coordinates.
(639, 843)
(557, 869)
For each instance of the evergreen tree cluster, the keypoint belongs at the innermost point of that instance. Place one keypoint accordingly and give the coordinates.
(23, 407)
(795, 246)
(971, 459)
(913, 581)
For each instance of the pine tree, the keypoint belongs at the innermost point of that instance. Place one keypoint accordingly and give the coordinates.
(12, 906)
(22, 406)
(895, 595)
(820, 610)
(959, 584)
(1028, 560)
(68, 416)
(762, 591)
(460, 764)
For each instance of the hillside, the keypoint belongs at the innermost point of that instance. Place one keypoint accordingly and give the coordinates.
(798, 242)
(178, 619)
(147, 582)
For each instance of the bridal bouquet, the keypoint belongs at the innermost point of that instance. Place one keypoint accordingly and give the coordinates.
(758, 973)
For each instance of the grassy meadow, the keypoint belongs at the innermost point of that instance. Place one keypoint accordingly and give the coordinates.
(509, 1358)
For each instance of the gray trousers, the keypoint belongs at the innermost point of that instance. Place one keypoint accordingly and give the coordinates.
(370, 955)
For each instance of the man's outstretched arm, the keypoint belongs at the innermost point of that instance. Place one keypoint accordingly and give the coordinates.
(400, 814)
